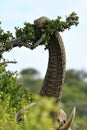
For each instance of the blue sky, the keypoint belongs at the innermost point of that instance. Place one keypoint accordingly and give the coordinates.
(15, 13)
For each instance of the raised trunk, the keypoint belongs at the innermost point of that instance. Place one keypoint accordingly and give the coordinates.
(55, 75)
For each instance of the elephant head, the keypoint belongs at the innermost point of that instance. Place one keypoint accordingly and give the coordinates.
(62, 118)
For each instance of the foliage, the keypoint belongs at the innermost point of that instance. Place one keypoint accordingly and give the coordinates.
(10, 89)
(9, 106)
(81, 124)
(29, 72)
(12, 98)
(75, 84)
(75, 94)
(38, 117)
(29, 34)
(30, 78)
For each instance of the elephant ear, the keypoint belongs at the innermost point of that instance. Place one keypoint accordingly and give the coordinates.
(69, 121)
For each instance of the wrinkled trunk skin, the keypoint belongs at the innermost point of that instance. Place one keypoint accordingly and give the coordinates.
(55, 75)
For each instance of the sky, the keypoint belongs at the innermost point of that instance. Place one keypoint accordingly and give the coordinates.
(15, 13)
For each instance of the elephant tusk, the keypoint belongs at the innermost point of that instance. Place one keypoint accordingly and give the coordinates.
(19, 113)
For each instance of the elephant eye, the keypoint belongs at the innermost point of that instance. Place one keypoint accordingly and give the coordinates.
(64, 121)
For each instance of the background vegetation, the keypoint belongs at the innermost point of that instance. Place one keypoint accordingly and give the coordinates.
(13, 97)
(74, 92)
(18, 92)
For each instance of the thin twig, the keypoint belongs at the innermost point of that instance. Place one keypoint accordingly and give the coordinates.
(28, 46)
(6, 62)
(39, 41)
(18, 42)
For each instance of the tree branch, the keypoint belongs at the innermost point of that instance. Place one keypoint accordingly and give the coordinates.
(39, 41)
(6, 62)
(18, 42)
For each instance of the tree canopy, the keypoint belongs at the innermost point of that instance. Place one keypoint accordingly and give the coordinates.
(31, 36)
